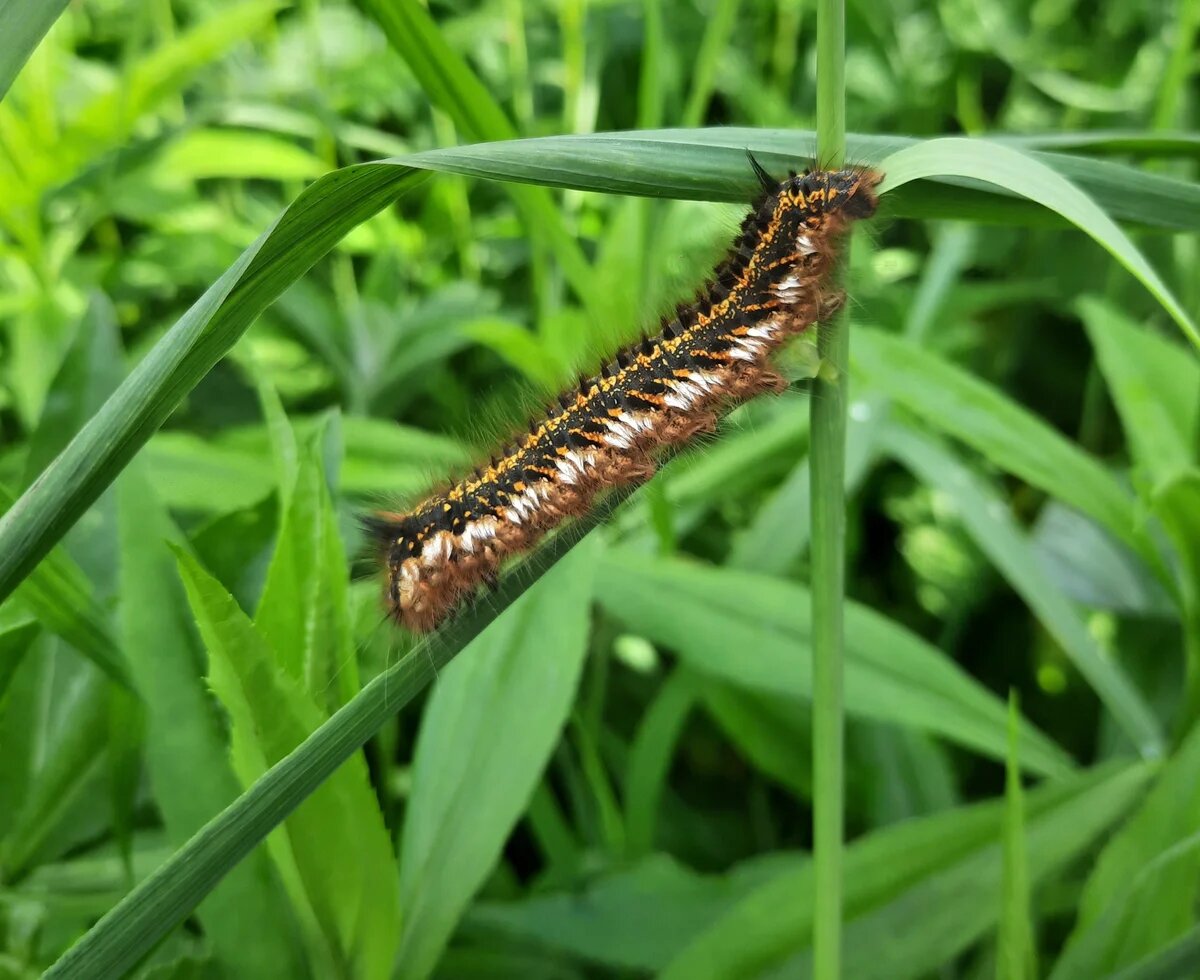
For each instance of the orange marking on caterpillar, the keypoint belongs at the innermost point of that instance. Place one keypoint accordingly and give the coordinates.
(712, 354)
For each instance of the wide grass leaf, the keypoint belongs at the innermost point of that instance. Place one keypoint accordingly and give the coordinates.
(1135, 901)
(952, 401)
(22, 25)
(486, 736)
(987, 519)
(1028, 177)
(635, 918)
(304, 610)
(712, 616)
(917, 893)
(246, 919)
(334, 846)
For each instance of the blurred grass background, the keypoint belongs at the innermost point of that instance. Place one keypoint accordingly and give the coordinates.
(615, 780)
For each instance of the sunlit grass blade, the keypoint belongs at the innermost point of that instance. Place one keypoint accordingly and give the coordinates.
(22, 25)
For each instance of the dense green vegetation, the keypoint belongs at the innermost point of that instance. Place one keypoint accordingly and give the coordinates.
(240, 328)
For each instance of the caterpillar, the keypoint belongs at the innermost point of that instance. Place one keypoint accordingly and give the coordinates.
(709, 356)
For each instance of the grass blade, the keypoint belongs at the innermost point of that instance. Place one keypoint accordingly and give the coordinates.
(1030, 178)
(165, 898)
(711, 616)
(987, 519)
(22, 24)
(487, 733)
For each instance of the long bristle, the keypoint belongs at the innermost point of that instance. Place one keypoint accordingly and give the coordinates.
(657, 393)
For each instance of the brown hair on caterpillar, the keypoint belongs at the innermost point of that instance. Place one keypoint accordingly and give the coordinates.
(709, 356)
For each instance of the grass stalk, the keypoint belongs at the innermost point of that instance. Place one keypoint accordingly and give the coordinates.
(828, 449)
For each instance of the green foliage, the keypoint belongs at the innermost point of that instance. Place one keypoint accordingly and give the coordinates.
(251, 284)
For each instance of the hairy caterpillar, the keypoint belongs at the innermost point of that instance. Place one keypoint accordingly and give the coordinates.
(712, 354)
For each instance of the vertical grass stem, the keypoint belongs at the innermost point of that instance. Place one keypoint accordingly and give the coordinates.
(828, 412)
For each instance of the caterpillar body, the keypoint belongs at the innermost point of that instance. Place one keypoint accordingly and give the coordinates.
(709, 356)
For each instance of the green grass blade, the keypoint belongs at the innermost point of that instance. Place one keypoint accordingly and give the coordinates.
(1028, 177)
(486, 735)
(900, 880)
(164, 899)
(988, 520)
(336, 844)
(711, 616)
(22, 24)
(710, 165)
(1016, 947)
(247, 920)
(1008, 435)
(827, 507)
(308, 229)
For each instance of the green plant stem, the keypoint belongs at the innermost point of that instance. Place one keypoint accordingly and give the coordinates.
(828, 449)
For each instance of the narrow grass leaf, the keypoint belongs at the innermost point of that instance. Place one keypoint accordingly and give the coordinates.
(650, 754)
(336, 840)
(710, 616)
(710, 165)
(952, 401)
(486, 736)
(1016, 948)
(920, 889)
(1023, 175)
(991, 525)
(1114, 928)
(1155, 385)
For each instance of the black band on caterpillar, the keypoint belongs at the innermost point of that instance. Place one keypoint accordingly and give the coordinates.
(712, 354)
